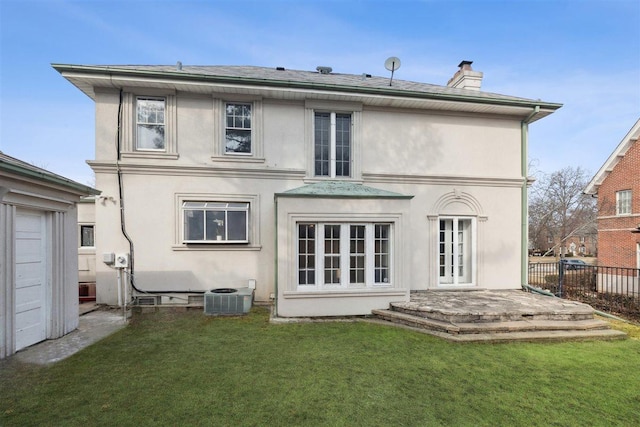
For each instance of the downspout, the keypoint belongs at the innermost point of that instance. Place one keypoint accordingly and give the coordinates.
(275, 282)
(524, 232)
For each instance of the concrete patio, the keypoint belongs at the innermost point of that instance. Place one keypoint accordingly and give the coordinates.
(496, 316)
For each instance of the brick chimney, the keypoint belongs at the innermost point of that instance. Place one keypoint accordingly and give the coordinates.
(465, 77)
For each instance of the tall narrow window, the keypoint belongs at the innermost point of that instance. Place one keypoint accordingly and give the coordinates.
(343, 145)
(623, 202)
(306, 254)
(150, 124)
(332, 254)
(357, 254)
(332, 144)
(238, 128)
(455, 251)
(382, 253)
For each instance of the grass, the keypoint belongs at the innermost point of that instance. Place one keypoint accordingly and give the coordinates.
(189, 369)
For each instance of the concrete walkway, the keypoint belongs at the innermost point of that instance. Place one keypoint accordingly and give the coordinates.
(95, 324)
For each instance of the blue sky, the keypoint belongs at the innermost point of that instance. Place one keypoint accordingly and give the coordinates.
(584, 54)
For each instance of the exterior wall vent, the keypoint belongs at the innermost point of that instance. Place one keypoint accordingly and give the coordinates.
(228, 301)
(147, 300)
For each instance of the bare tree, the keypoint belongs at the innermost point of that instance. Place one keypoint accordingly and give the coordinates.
(558, 209)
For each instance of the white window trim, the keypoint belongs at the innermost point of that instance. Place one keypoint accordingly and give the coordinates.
(226, 127)
(226, 210)
(345, 240)
(86, 224)
(473, 259)
(220, 126)
(129, 125)
(253, 222)
(627, 203)
(355, 109)
(164, 123)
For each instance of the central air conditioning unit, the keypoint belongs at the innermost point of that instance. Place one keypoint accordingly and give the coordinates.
(228, 301)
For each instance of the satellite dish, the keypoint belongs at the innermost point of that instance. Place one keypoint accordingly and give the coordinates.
(392, 64)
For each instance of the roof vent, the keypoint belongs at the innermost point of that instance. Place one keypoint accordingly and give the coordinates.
(324, 70)
(280, 68)
(179, 66)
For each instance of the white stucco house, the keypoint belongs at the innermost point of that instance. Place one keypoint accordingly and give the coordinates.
(38, 254)
(332, 193)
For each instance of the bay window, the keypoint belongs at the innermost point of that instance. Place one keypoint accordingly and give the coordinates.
(344, 255)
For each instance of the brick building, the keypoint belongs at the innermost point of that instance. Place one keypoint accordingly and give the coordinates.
(582, 243)
(617, 186)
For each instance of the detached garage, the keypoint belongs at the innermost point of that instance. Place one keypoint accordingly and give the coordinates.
(38, 254)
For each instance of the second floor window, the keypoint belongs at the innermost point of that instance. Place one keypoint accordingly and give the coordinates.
(150, 124)
(238, 129)
(623, 202)
(332, 144)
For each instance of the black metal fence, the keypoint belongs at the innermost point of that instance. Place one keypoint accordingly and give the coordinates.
(612, 289)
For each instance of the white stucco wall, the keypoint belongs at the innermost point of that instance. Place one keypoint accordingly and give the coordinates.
(431, 156)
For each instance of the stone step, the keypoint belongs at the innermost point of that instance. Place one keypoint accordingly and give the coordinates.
(576, 314)
(534, 336)
(523, 330)
(416, 321)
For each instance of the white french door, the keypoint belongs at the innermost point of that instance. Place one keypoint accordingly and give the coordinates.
(456, 251)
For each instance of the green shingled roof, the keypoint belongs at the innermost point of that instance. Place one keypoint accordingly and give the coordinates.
(11, 165)
(80, 75)
(341, 189)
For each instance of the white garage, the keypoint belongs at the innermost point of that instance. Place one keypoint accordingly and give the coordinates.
(38, 254)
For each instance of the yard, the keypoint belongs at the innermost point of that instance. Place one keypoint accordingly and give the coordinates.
(189, 369)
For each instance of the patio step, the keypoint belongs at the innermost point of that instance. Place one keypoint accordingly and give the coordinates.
(526, 329)
(578, 313)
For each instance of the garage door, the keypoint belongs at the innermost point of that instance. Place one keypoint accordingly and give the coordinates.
(31, 273)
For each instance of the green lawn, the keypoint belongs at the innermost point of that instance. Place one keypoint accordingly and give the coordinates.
(188, 369)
